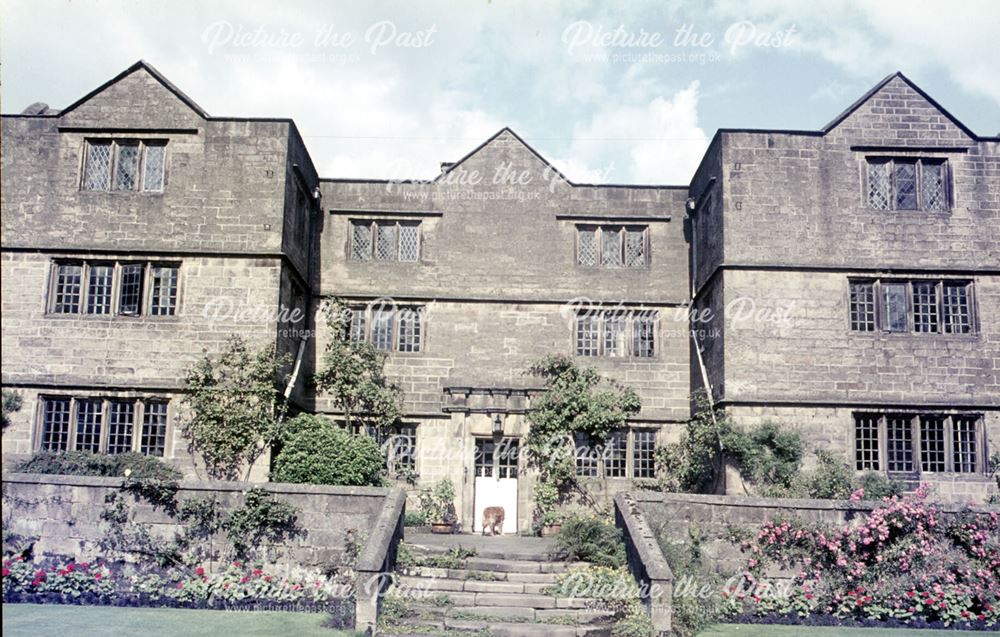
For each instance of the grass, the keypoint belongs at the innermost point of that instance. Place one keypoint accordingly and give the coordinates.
(769, 630)
(54, 620)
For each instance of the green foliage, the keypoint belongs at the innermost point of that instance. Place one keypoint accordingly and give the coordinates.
(261, 519)
(237, 406)
(438, 503)
(692, 611)
(146, 477)
(415, 518)
(316, 451)
(590, 539)
(353, 375)
(831, 480)
(767, 456)
(877, 486)
(636, 623)
(11, 404)
(576, 399)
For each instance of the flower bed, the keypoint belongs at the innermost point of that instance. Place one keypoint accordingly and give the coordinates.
(237, 586)
(904, 564)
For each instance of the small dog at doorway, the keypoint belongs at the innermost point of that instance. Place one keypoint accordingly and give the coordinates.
(493, 520)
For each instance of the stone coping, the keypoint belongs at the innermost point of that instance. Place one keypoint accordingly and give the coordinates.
(202, 485)
(644, 496)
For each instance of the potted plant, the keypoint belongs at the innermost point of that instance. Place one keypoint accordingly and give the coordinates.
(438, 506)
(549, 521)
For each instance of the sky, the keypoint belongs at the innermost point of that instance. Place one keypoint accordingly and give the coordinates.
(609, 92)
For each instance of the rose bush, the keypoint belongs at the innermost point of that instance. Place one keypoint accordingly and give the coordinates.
(69, 581)
(904, 562)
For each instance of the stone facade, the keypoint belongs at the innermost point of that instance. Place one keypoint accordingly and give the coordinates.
(766, 238)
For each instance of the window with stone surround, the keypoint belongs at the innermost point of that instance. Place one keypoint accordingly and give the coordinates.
(616, 333)
(624, 453)
(397, 442)
(913, 443)
(384, 240)
(124, 288)
(388, 328)
(103, 425)
(901, 183)
(920, 306)
(612, 246)
(124, 165)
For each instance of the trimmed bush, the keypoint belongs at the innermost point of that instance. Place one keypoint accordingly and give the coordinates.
(85, 463)
(316, 451)
(590, 539)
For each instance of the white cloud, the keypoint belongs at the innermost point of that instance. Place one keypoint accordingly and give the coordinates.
(659, 138)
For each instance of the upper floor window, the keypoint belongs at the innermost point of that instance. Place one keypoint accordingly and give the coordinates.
(918, 443)
(908, 184)
(387, 328)
(922, 306)
(612, 246)
(104, 288)
(124, 165)
(615, 333)
(385, 240)
(102, 425)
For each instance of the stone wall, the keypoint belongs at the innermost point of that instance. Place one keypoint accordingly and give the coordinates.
(709, 519)
(64, 512)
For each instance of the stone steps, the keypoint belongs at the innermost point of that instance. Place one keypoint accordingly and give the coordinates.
(459, 627)
(424, 597)
(458, 585)
(470, 574)
(499, 589)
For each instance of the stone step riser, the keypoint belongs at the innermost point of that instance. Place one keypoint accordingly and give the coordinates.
(423, 598)
(447, 585)
(499, 629)
(463, 574)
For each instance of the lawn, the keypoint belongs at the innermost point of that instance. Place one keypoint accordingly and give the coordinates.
(770, 630)
(37, 620)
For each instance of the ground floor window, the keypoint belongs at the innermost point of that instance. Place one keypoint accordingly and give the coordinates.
(623, 454)
(103, 425)
(398, 444)
(908, 443)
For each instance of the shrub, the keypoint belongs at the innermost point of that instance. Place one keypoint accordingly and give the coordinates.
(85, 463)
(11, 404)
(693, 611)
(260, 519)
(904, 562)
(876, 486)
(832, 479)
(316, 451)
(415, 518)
(438, 504)
(590, 539)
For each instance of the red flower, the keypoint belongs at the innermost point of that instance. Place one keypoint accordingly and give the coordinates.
(6, 571)
(98, 575)
(809, 595)
(180, 584)
(85, 565)
(244, 579)
(257, 572)
(200, 572)
(70, 567)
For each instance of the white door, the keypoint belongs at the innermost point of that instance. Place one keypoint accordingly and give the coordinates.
(496, 481)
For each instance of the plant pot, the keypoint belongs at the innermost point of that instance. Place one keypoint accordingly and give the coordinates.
(442, 528)
(548, 530)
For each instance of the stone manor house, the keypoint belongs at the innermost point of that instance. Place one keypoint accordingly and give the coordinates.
(843, 281)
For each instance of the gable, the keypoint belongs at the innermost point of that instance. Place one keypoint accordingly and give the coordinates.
(503, 160)
(138, 98)
(896, 111)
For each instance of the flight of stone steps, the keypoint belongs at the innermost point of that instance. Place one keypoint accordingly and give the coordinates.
(496, 586)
